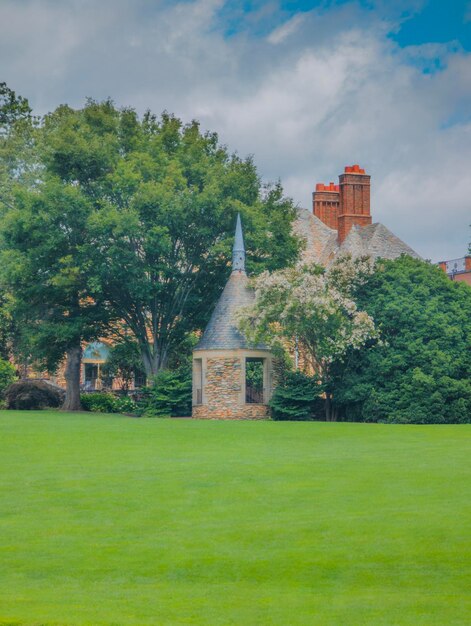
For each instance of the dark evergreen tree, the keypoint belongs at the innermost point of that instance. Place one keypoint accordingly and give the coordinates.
(170, 394)
(297, 398)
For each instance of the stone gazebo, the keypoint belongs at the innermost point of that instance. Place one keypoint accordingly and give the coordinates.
(231, 380)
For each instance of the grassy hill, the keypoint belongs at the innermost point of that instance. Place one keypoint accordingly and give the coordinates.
(107, 520)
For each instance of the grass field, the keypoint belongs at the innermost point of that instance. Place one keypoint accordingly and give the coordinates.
(117, 521)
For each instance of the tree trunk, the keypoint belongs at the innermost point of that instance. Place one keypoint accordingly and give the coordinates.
(72, 380)
(153, 362)
(333, 413)
(328, 407)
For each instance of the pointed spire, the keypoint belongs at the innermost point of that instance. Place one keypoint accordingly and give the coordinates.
(238, 251)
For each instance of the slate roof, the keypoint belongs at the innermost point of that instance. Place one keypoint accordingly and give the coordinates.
(221, 332)
(322, 243)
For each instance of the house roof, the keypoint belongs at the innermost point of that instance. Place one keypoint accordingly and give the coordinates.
(322, 244)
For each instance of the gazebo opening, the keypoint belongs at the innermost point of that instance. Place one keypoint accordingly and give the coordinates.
(254, 377)
(198, 381)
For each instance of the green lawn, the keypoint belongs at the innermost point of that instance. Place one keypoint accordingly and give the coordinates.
(113, 520)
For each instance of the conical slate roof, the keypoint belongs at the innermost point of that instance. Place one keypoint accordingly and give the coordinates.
(222, 333)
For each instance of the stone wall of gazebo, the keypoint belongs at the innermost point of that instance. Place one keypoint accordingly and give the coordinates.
(223, 393)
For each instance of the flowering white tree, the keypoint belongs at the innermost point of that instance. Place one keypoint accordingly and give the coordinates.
(314, 309)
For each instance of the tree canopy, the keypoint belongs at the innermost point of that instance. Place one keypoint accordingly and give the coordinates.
(16, 141)
(164, 197)
(45, 267)
(128, 223)
(13, 108)
(421, 370)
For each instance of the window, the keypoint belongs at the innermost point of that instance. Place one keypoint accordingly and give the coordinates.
(91, 375)
(140, 379)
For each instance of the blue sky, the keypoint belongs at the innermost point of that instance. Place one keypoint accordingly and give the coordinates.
(438, 21)
(306, 87)
(415, 23)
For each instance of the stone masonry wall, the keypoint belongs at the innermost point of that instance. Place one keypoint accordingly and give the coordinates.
(223, 387)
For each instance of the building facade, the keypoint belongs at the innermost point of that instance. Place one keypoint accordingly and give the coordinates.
(458, 269)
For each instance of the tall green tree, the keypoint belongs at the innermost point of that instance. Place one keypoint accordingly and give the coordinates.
(129, 219)
(44, 266)
(17, 167)
(164, 197)
(421, 370)
(44, 270)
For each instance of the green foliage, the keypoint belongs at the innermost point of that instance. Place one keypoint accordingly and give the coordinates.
(183, 356)
(124, 362)
(164, 197)
(126, 218)
(125, 404)
(297, 398)
(17, 132)
(32, 394)
(13, 108)
(98, 402)
(107, 403)
(7, 375)
(8, 328)
(46, 269)
(311, 309)
(170, 395)
(254, 373)
(421, 371)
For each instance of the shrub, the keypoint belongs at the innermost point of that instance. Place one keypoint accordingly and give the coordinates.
(170, 396)
(125, 404)
(107, 403)
(7, 375)
(297, 398)
(33, 394)
(98, 402)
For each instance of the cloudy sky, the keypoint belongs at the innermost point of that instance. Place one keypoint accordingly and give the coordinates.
(306, 87)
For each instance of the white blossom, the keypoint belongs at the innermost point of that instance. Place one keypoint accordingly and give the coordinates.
(316, 307)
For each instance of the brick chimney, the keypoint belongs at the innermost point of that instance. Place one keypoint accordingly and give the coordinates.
(343, 205)
(354, 200)
(325, 204)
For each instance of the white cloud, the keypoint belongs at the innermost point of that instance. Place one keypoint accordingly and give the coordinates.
(285, 30)
(321, 91)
